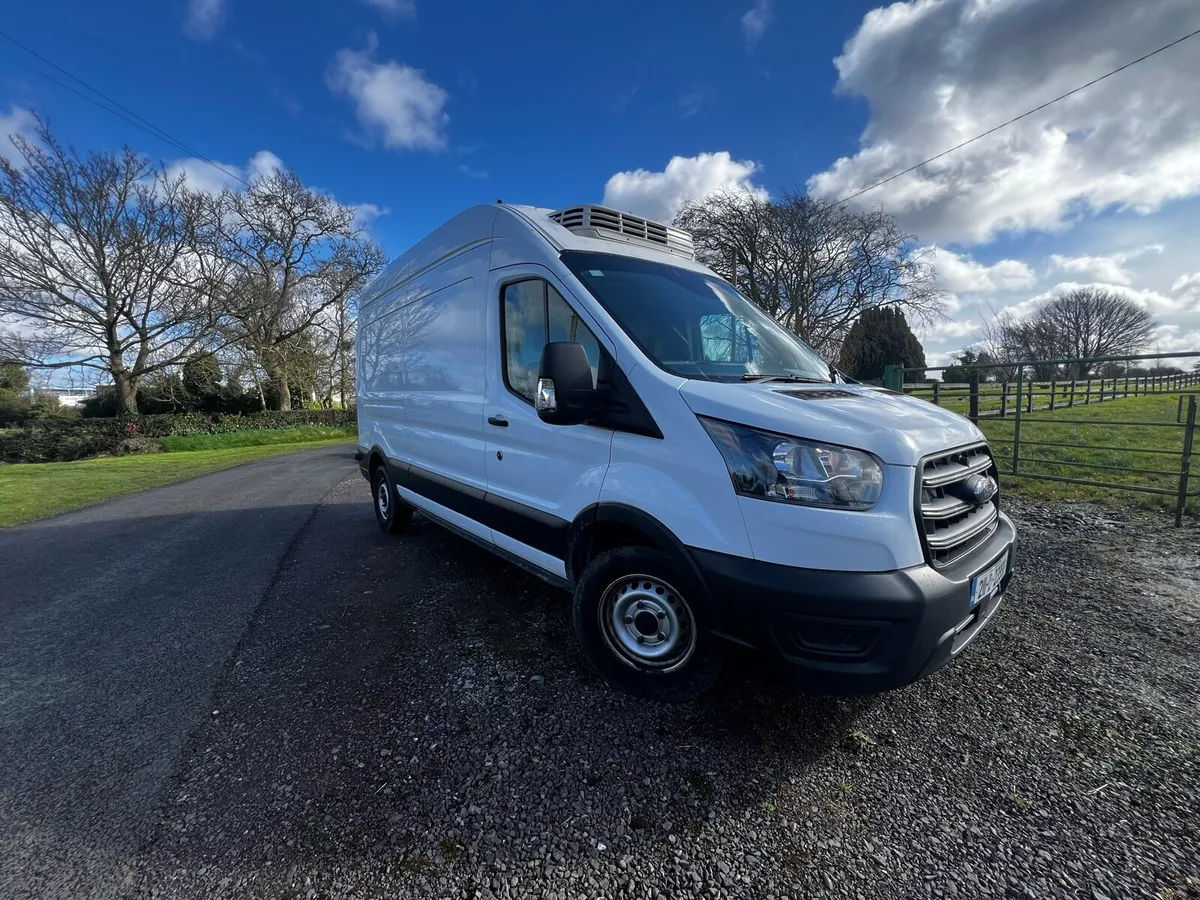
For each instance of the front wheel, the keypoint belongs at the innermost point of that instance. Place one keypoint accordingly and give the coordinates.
(643, 625)
(392, 513)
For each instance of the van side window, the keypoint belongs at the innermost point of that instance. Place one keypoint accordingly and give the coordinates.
(535, 314)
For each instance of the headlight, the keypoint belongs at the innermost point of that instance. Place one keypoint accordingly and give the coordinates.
(774, 467)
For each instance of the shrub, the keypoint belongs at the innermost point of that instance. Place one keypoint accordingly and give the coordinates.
(60, 440)
(64, 439)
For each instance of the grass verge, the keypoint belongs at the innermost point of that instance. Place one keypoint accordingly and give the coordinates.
(264, 437)
(31, 491)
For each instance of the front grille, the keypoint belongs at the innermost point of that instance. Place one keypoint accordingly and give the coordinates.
(952, 523)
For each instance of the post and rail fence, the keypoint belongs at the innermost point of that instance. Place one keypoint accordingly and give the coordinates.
(1001, 394)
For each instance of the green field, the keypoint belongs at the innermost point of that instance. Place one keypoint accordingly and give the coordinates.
(31, 491)
(1151, 447)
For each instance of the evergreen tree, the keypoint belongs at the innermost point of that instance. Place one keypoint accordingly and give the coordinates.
(878, 338)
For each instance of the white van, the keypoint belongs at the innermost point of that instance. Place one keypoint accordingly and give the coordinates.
(573, 391)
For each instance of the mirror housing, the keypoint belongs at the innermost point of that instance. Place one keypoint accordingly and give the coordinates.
(566, 391)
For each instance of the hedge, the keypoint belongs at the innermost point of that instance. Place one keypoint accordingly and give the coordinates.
(64, 439)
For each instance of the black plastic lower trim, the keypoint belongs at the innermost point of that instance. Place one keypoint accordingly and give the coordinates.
(530, 526)
(851, 632)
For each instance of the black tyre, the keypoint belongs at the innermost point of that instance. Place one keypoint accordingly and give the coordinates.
(644, 624)
(392, 513)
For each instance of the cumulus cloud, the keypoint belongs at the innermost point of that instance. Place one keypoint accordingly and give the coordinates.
(204, 17)
(755, 22)
(394, 101)
(1109, 268)
(960, 274)
(660, 195)
(936, 72)
(400, 8)
(203, 177)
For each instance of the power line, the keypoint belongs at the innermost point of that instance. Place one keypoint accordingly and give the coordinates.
(136, 120)
(1018, 118)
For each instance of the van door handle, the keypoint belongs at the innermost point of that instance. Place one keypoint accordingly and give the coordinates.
(498, 421)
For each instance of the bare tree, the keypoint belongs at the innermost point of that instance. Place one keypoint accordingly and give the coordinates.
(813, 265)
(1080, 324)
(285, 255)
(98, 268)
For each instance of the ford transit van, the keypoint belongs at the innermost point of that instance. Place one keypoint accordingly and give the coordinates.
(572, 390)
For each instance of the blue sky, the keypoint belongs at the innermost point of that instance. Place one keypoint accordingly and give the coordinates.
(417, 108)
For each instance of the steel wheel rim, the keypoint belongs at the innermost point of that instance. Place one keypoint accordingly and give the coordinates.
(383, 499)
(647, 624)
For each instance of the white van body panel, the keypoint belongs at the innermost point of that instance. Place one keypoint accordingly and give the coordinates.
(879, 540)
(681, 480)
(896, 428)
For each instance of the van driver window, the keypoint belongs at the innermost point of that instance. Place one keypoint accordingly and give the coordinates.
(534, 314)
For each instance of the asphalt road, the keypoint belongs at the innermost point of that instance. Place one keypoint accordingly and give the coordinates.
(239, 687)
(117, 623)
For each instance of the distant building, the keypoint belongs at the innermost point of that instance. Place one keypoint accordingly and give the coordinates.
(70, 396)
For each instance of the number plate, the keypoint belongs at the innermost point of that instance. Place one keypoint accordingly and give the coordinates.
(984, 585)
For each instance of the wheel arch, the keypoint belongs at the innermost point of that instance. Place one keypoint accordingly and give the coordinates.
(603, 526)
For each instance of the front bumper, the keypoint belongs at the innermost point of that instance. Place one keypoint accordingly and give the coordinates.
(853, 632)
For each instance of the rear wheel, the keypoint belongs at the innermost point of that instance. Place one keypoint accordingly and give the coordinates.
(643, 625)
(392, 513)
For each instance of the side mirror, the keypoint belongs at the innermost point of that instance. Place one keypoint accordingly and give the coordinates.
(566, 392)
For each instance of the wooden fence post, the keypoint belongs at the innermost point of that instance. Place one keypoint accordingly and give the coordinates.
(937, 394)
(1003, 399)
(1053, 390)
(973, 403)
(1071, 401)
(1088, 399)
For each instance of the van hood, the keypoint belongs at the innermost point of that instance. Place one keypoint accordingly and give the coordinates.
(898, 429)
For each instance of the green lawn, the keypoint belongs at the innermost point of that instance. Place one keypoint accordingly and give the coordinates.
(1146, 444)
(34, 490)
(264, 437)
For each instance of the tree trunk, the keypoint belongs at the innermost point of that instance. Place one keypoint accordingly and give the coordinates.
(284, 398)
(126, 394)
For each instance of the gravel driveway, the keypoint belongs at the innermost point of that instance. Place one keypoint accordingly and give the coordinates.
(408, 717)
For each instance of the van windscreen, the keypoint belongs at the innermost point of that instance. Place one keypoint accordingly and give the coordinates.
(693, 324)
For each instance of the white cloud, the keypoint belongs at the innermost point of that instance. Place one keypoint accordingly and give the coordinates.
(755, 22)
(19, 121)
(937, 72)
(203, 177)
(660, 195)
(394, 100)
(366, 213)
(1109, 268)
(204, 18)
(1187, 286)
(400, 8)
(962, 275)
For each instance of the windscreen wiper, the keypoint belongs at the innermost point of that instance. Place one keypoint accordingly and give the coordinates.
(803, 379)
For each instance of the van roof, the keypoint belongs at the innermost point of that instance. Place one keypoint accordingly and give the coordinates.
(527, 234)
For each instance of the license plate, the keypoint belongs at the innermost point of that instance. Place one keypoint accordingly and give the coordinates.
(984, 585)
